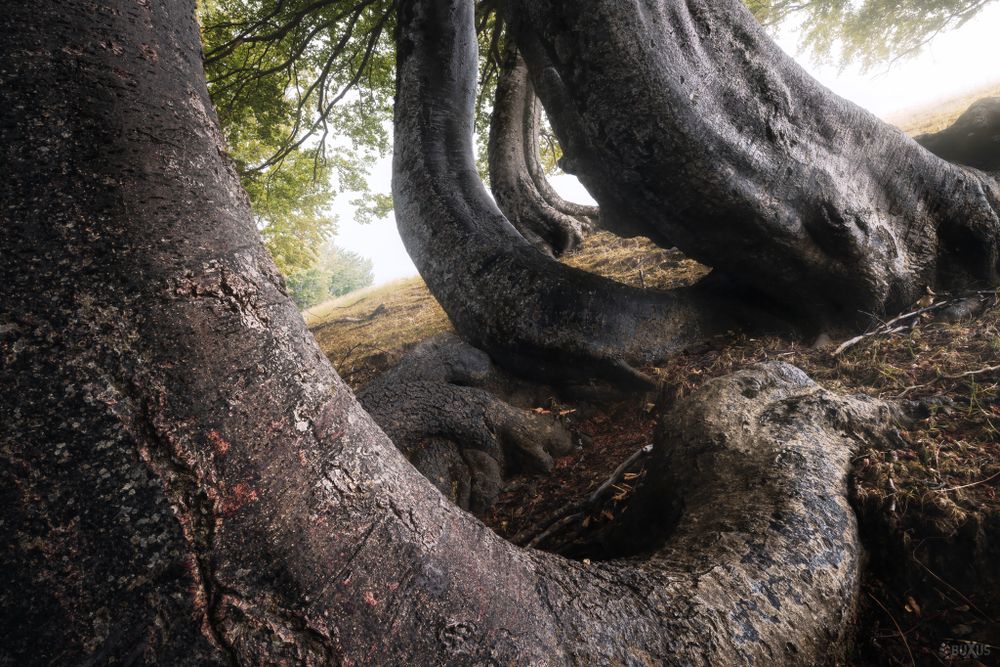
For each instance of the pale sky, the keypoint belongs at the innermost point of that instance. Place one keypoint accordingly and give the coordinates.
(953, 63)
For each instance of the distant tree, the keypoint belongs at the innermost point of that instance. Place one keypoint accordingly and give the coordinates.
(334, 273)
(308, 287)
(347, 270)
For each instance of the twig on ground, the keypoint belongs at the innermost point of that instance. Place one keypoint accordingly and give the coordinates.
(618, 474)
(890, 327)
(965, 486)
(952, 376)
(565, 521)
(543, 529)
(958, 376)
(902, 635)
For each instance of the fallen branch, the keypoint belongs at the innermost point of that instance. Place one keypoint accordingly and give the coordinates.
(350, 320)
(979, 371)
(565, 521)
(955, 376)
(543, 529)
(890, 327)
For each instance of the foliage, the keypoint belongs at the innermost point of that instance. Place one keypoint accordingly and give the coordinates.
(335, 273)
(307, 287)
(303, 90)
(346, 270)
(866, 32)
(288, 205)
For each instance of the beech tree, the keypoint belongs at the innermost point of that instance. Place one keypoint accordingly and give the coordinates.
(187, 481)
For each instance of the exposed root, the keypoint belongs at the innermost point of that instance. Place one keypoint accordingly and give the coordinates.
(460, 436)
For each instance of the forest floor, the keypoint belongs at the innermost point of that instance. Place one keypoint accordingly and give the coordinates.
(928, 505)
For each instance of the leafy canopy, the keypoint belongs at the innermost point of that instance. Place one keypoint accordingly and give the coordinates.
(303, 89)
(866, 32)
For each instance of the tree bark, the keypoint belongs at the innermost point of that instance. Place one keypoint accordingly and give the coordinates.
(731, 151)
(531, 315)
(518, 182)
(585, 213)
(187, 481)
(440, 407)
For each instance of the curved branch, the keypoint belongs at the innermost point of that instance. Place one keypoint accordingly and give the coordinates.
(587, 215)
(530, 314)
(732, 152)
(514, 168)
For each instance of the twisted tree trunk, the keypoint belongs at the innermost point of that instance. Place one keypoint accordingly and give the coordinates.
(585, 213)
(187, 481)
(532, 315)
(683, 117)
(520, 188)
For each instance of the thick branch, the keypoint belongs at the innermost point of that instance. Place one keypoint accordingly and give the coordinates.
(512, 154)
(530, 314)
(588, 215)
(683, 118)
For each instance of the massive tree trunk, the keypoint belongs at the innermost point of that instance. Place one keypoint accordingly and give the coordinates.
(187, 481)
(683, 117)
(531, 314)
(517, 179)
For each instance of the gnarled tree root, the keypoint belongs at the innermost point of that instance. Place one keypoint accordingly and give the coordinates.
(460, 436)
(761, 559)
(750, 551)
(972, 140)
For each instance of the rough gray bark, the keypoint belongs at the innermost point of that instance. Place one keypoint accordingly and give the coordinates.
(588, 215)
(683, 117)
(517, 180)
(973, 139)
(187, 481)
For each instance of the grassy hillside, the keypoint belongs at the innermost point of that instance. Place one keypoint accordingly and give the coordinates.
(360, 346)
(938, 115)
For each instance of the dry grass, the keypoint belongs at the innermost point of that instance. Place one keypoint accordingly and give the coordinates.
(361, 350)
(636, 262)
(938, 115)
